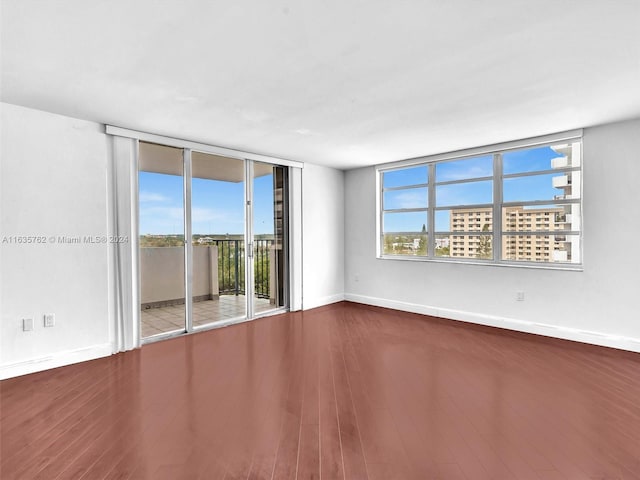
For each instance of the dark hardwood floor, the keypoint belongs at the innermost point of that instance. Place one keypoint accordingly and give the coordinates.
(340, 392)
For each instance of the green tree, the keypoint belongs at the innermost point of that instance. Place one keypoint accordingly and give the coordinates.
(388, 244)
(422, 246)
(484, 248)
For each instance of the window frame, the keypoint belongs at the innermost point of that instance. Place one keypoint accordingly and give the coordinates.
(499, 232)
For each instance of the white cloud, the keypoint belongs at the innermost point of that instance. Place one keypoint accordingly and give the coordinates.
(463, 172)
(147, 197)
(411, 200)
(200, 214)
(162, 213)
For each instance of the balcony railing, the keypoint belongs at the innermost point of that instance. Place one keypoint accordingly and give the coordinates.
(218, 269)
(231, 255)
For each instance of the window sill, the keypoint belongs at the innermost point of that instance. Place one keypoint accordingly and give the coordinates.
(578, 267)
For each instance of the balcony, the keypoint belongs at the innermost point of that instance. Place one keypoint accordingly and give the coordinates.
(561, 181)
(560, 256)
(218, 283)
(560, 162)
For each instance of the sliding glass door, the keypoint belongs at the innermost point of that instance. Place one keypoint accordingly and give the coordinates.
(162, 240)
(269, 225)
(212, 244)
(218, 224)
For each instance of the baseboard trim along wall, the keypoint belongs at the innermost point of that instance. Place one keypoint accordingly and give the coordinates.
(69, 357)
(584, 336)
(308, 304)
(59, 359)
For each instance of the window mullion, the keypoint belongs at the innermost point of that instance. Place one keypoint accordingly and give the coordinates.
(497, 207)
(510, 218)
(431, 214)
(188, 240)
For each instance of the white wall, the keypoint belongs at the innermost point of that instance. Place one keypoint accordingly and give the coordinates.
(597, 305)
(323, 235)
(54, 178)
(162, 273)
(53, 183)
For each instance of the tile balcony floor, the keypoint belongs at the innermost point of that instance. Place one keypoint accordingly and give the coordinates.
(168, 319)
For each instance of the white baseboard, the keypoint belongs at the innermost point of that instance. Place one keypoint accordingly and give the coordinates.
(566, 333)
(308, 304)
(58, 359)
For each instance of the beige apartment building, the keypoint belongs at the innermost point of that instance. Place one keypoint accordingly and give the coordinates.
(539, 248)
(471, 220)
(517, 244)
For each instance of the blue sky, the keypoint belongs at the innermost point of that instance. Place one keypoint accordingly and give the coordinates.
(538, 187)
(217, 207)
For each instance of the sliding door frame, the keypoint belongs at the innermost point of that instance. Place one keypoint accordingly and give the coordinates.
(126, 274)
(249, 274)
(188, 241)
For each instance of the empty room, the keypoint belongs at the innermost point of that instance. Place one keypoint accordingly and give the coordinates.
(319, 240)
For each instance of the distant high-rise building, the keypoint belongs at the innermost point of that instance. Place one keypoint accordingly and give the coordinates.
(471, 220)
(542, 247)
(518, 221)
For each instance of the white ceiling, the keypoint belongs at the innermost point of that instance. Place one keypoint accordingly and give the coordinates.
(343, 83)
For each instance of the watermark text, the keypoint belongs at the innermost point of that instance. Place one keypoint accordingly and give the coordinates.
(62, 239)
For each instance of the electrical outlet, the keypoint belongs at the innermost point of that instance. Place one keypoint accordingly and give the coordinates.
(520, 296)
(49, 319)
(27, 324)
(356, 278)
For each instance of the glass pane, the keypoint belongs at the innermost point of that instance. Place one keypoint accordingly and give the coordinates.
(466, 246)
(541, 248)
(405, 198)
(464, 169)
(464, 193)
(465, 220)
(405, 176)
(443, 246)
(161, 224)
(541, 217)
(552, 186)
(269, 229)
(405, 222)
(404, 244)
(541, 158)
(217, 218)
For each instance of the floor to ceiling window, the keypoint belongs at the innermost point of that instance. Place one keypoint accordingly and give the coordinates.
(162, 239)
(212, 245)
